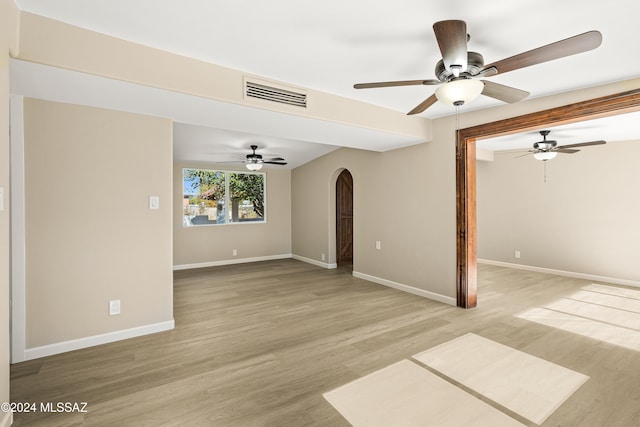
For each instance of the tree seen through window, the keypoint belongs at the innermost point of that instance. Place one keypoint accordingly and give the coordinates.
(220, 197)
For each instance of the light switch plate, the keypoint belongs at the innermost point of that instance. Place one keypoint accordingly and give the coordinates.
(154, 202)
(114, 307)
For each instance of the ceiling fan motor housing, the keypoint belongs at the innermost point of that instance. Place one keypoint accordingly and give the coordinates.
(545, 145)
(253, 157)
(475, 63)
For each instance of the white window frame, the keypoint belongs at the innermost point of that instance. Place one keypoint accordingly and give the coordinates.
(227, 198)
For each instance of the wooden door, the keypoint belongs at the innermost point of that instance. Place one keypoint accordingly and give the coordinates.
(344, 218)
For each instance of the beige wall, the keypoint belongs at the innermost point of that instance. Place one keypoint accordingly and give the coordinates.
(584, 219)
(404, 198)
(90, 235)
(208, 245)
(8, 44)
(313, 201)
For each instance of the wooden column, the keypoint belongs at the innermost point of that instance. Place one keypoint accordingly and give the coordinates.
(466, 222)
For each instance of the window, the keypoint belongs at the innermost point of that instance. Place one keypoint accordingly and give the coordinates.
(221, 197)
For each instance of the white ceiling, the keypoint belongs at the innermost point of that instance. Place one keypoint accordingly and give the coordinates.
(329, 46)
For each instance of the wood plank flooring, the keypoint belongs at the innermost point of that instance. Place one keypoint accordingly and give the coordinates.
(258, 344)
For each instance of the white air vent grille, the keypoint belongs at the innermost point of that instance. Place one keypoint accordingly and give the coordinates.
(275, 94)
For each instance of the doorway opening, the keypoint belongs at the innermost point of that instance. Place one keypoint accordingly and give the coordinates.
(466, 244)
(344, 220)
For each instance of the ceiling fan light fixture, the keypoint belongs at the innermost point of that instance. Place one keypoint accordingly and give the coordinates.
(459, 91)
(545, 155)
(254, 166)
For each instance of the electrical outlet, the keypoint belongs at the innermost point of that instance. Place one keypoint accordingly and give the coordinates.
(517, 254)
(114, 307)
(323, 257)
(378, 246)
(234, 252)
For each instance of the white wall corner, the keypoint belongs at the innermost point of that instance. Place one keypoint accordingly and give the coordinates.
(18, 258)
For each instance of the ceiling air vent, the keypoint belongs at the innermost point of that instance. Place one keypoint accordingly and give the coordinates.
(275, 94)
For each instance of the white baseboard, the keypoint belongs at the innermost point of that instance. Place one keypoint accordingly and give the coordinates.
(612, 280)
(230, 261)
(314, 262)
(62, 347)
(7, 419)
(406, 288)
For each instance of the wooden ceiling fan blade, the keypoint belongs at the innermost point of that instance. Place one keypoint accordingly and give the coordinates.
(503, 93)
(452, 40)
(275, 163)
(423, 105)
(396, 83)
(524, 155)
(560, 49)
(566, 150)
(583, 144)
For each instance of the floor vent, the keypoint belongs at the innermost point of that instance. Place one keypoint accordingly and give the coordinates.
(275, 94)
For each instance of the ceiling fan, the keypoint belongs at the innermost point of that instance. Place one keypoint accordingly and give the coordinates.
(458, 71)
(254, 161)
(548, 149)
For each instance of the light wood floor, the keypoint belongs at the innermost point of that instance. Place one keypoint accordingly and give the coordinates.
(258, 344)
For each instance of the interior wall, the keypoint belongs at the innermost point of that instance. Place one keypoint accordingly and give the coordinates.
(213, 244)
(313, 202)
(90, 235)
(9, 18)
(403, 198)
(583, 219)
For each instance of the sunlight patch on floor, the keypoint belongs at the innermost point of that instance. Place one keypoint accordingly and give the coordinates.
(527, 385)
(601, 312)
(405, 394)
(511, 382)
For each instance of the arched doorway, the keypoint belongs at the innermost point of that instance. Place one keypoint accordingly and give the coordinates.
(344, 219)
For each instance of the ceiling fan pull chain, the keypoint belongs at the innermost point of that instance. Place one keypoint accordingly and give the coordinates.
(458, 153)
